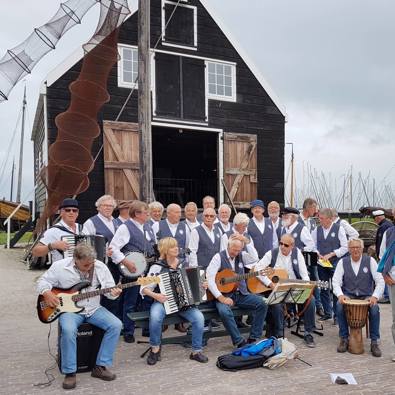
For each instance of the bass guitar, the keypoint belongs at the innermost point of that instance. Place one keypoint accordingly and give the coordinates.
(69, 298)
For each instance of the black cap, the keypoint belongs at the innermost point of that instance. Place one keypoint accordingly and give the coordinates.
(290, 210)
(69, 203)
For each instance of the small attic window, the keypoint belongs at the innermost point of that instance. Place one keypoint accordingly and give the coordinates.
(221, 81)
(179, 25)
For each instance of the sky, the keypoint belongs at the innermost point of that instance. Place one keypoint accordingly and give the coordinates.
(331, 64)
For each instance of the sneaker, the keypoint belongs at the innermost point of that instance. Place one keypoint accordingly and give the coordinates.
(128, 338)
(153, 357)
(375, 350)
(325, 317)
(309, 340)
(320, 312)
(101, 372)
(199, 357)
(70, 381)
(241, 343)
(343, 346)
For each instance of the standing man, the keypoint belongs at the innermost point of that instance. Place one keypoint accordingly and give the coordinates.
(191, 221)
(260, 229)
(133, 235)
(205, 240)
(273, 210)
(331, 242)
(52, 242)
(64, 274)
(223, 223)
(351, 233)
(356, 277)
(123, 209)
(290, 258)
(208, 202)
(155, 211)
(309, 211)
(231, 259)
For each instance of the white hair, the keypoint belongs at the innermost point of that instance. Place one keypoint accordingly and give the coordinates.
(232, 241)
(224, 206)
(104, 198)
(360, 241)
(241, 219)
(156, 204)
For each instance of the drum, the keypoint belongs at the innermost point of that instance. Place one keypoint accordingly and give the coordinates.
(356, 314)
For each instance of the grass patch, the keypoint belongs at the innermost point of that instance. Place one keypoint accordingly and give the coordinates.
(27, 237)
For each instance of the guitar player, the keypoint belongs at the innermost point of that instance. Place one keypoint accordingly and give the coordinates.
(231, 258)
(65, 273)
(290, 258)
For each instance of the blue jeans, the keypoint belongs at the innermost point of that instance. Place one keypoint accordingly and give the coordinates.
(247, 302)
(374, 322)
(129, 302)
(193, 315)
(326, 294)
(69, 323)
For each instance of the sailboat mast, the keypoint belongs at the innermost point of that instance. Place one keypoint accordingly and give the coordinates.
(18, 194)
(12, 179)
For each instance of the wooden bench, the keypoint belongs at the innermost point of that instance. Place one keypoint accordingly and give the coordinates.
(141, 320)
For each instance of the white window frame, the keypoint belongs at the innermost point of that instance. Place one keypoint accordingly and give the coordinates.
(121, 82)
(195, 42)
(234, 84)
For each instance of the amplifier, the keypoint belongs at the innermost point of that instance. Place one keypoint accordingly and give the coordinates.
(89, 338)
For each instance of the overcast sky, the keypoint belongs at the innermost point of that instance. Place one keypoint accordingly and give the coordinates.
(331, 63)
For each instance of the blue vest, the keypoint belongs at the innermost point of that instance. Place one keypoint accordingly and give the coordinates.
(138, 241)
(294, 260)
(389, 236)
(331, 243)
(118, 221)
(296, 235)
(262, 242)
(239, 269)
(180, 236)
(102, 229)
(360, 285)
(206, 248)
(219, 226)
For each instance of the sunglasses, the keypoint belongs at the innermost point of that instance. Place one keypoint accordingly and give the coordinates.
(71, 210)
(209, 216)
(284, 244)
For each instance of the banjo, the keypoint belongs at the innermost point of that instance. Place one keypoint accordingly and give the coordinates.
(140, 261)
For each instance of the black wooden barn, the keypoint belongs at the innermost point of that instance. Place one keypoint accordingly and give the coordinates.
(213, 116)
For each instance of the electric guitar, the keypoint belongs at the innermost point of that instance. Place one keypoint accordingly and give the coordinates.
(69, 298)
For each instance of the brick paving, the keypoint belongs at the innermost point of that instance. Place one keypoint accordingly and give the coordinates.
(24, 357)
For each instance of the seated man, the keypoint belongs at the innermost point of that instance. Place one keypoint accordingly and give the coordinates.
(288, 257)
(231, 258)
(169, 262)
(356, 277)
(65, 273)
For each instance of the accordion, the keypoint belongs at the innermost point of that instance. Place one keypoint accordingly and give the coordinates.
(183, 288)
(97, 242)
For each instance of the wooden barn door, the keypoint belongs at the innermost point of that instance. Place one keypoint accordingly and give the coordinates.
(121, 159)
(240, 164)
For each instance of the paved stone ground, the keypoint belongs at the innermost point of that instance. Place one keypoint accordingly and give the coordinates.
(24, 357)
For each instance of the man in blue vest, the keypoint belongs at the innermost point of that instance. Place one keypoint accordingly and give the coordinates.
(105, 225)
(290, 258)
(207, 202)
(260, 229)
(273, 211)
(356, 277)
(123, 211)
(156, 210)
(134, 235)
(223, 224)
(331, 242)
(309, 211)
(232, 259)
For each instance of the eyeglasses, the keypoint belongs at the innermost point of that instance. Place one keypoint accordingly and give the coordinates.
(107, 205)
(209, 216)
(71, 210)
(355, 247)
(284, 244)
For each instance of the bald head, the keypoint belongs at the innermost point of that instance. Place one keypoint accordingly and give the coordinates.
(173, 212)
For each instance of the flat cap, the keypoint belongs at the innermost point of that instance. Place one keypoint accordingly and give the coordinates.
(377, 213)
(290, 210)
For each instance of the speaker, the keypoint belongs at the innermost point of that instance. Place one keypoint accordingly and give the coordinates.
(89, 338)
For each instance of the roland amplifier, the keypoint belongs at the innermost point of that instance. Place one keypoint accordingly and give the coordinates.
(89, 338)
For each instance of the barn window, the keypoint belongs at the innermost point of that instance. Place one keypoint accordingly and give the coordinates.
(221, 81)
(179, 25)
(127, 66)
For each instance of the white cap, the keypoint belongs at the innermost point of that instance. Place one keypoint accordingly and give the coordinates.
(376, 213)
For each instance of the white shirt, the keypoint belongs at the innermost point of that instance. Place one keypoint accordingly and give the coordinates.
(275, 226)
(308, 222)
(55, 234)
(64, 274)
(226, 227)
(89, 227)
(283, 262)
(194, 243)
(305, 236)
(337, 279)
(251, 250)
(343, 249)
(121, 238)
(351, 233)
(191, 225)
(215, 265)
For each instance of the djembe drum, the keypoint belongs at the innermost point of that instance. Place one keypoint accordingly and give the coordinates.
(356, 314)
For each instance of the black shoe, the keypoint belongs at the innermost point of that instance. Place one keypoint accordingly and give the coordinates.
(129, 338)
(309, 340)
(320, 312)
(375, 350)
(384, 300)
(325, 317)
(199, 357)
(242, 343)
(241, 325)
(153, 357)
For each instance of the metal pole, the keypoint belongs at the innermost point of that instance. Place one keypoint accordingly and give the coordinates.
(144, 101)
(18, 194)
(12, 179)
(292, 173)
